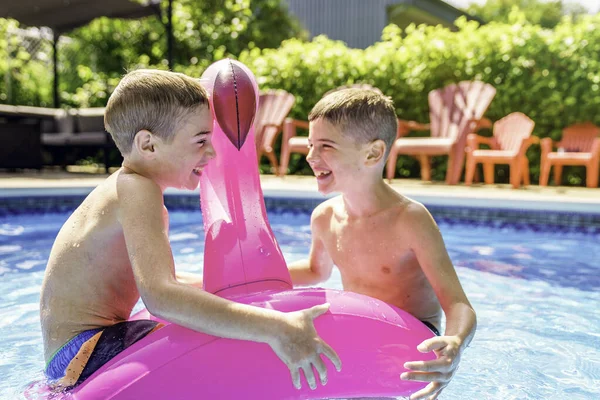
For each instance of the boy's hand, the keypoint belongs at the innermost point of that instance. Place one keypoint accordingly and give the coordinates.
(299, 346)
(439, 371)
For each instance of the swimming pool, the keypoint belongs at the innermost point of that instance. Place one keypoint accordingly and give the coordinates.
(536, 292)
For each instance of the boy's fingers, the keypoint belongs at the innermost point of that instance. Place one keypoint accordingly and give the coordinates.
(295, 377)
(318, 310)
(440, 364)
(428, 345)
(429, 392)
(423, 376)
(332, 355)
(421, 394)
(310, 376)
(321, 370)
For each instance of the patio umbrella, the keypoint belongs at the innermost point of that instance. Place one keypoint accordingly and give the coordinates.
(64, 15)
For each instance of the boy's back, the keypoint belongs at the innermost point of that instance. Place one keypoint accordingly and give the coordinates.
(89, 281)
(115, 248)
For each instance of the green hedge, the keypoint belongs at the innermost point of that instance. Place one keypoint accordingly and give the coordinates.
(553, 76)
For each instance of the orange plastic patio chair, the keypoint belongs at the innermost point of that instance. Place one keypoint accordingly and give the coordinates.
(454, 111)
(292, 143)
(512, 137)
(580, 145)
(274, 106)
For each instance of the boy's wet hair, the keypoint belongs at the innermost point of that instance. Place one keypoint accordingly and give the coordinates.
(365, 114)
(154, 100)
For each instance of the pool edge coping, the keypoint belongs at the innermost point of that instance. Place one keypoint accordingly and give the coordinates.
(569, 205)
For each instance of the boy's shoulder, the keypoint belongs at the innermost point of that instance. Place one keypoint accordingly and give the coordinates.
(326, 208)
(412, 207)
(136, 194)
(322, 214)
(131, 183)
(413, 214)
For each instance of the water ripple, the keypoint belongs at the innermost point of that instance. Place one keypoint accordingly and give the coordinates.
(536, 295)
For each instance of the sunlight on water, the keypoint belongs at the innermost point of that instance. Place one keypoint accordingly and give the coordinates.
(536, 295)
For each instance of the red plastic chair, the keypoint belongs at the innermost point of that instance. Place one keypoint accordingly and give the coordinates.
(512, 137)
(274, 106)
(580, 145)
(455, 111)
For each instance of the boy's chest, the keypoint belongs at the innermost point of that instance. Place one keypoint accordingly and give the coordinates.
(369, 245)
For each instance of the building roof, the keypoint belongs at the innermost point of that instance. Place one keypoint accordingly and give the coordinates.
(64, 15)
(359, 23)
(430, 12)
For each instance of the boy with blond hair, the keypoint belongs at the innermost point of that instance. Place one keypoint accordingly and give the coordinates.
(115, 248)
(385, 245)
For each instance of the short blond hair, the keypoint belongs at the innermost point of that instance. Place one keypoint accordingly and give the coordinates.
(154, 100)
(363, 114)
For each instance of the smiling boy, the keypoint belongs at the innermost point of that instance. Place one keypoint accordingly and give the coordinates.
(115, 248)
(385, 245)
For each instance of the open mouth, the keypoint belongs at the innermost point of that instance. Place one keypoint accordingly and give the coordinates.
(197, 171)
(322, 174)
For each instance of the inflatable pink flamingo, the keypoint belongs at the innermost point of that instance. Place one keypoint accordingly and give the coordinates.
(243, 263)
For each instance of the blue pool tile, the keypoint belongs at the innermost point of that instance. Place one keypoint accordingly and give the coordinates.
(533, 220)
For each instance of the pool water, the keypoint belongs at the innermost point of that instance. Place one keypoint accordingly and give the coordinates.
(536, 293)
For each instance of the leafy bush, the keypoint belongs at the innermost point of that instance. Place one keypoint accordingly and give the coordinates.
(552, 75)
(93, 58)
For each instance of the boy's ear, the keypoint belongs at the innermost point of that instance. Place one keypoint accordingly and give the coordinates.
(143, 141)
(376, 152)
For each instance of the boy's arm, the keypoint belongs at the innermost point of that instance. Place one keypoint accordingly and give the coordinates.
(318, 266)
(189, 278)
(431, 253)
(292, 336)
(461, 322)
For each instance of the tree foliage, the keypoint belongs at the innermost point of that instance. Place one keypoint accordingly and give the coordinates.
(552, 75)
(539, 12)
(92, 58)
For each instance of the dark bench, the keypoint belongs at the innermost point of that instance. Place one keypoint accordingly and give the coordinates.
(25, 131)
(20, 140)
(76, 129)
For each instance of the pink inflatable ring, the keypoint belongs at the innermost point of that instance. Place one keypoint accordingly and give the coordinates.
(243, 263)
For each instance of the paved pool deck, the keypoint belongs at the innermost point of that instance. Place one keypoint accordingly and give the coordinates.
(561, 198)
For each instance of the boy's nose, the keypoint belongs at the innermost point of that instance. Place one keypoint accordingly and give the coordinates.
(210, 152)
(311, 156)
